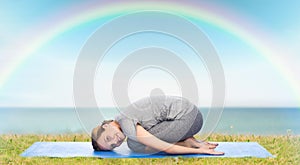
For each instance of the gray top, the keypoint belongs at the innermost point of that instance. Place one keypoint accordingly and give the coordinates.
(150, 111)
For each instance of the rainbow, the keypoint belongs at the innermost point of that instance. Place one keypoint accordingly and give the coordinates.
(205, 14)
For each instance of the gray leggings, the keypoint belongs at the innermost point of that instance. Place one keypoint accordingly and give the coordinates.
(174, 130)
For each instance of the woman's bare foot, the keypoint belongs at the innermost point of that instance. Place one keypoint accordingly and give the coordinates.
(194, 143)
(203, 146)
(198, 144)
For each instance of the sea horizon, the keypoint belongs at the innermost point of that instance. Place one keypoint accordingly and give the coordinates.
(234, 120)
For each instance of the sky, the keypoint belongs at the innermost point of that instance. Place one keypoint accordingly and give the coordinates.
(39, 73)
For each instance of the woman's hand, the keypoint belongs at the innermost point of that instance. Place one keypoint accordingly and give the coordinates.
(194, 143)
(151, 141)
(207, 150)
(201, 146)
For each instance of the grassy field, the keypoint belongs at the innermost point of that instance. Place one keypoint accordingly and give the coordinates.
(285, 148)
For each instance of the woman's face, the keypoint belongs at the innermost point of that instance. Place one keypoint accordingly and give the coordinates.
(110, 138)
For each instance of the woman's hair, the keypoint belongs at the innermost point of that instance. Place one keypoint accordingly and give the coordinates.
(96, 133)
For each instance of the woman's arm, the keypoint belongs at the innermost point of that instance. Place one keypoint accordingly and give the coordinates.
(150, 140)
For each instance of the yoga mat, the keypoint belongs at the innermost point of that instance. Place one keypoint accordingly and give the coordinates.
(84, 149)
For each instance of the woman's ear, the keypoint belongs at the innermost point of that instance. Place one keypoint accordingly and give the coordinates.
(105, 126)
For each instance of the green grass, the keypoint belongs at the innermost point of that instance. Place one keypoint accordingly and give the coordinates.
(285, 148)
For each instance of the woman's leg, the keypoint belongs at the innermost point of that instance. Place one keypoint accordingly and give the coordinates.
(173, 131)
(179, 129)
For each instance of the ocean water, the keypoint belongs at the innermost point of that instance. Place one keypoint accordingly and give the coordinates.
(257, 121)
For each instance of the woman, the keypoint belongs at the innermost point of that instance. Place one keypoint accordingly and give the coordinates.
(152, 124)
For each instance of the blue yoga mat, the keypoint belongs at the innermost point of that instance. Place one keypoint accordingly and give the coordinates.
(84, 149)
